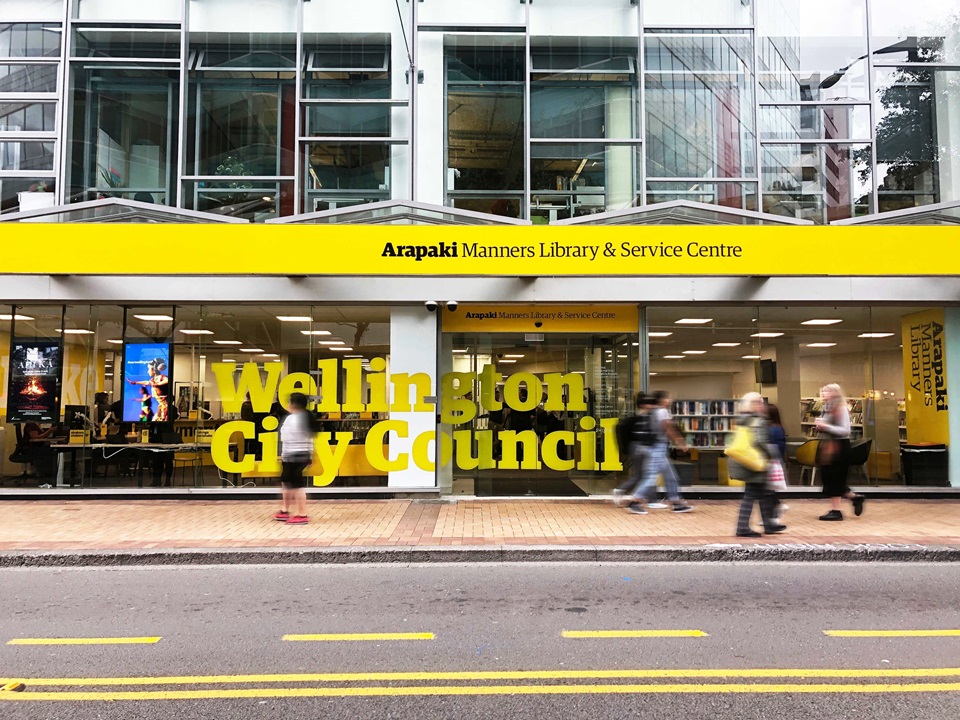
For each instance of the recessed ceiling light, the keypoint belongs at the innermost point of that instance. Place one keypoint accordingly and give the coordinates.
(822, 321)
(766, 334)
(354, 356)
(727, 344)
(694, 352)
(228, 360)
(622, 356)
(276, 360)
(314, 332)
(332, 342)
(8, 316)
(154, 318)
(203, 357)
(251, 350)
(692, 321)
(76, 331)
(507, 361)
(750, 357)
(197, 332)
(516, 356)
(270, 355)
(108, 374)
(651, 373)
(875, 335)
(635, 344)
(294, 318)
(458, 351)
(341, 349)
(227, 342)
(674, 357)
(659, 334)
(115, 342)
(820, 344)
(580, 372)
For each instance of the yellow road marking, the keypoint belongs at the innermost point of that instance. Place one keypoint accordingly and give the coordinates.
(650, 674)
(632, 633)
(85, 641)
(359, 636)
(238, 693)
(892, 633)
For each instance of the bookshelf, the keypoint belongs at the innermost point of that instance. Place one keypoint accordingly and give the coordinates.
(902, 419)
(705, 423)
(812, 408)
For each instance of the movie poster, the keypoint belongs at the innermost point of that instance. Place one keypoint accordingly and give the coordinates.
(34, 387)
(146, 382)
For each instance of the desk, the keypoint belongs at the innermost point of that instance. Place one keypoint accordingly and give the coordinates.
(109, 450)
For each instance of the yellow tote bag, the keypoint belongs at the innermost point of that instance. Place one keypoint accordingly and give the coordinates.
(743, 451)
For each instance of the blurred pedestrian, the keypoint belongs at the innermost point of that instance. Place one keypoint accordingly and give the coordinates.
(833, 427)
(635, 437)
(296, 455)
(778, 467)
(752, 429)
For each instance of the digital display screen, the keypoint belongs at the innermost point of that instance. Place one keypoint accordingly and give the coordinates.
(146, 382)
(34, 386)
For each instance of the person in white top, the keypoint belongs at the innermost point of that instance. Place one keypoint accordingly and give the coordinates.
(296, 455)
(833, 427)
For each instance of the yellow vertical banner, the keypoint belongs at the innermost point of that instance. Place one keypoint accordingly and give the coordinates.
(925, 377)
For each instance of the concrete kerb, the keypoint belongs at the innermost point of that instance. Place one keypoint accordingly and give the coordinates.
(792, 552)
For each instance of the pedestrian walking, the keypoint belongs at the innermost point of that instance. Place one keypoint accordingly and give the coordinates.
(658, 460)
(749, 457)
(778, 469)
(635, 437)
(296, 455)
(833, 427)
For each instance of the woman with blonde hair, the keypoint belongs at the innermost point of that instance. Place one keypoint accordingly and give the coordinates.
(756, 486)
(833, 426)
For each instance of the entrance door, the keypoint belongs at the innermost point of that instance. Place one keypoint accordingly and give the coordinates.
(545, 405)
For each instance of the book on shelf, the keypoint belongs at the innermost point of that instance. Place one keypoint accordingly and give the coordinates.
(704, 423)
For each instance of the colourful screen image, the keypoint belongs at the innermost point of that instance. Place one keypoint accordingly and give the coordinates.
(146, 382)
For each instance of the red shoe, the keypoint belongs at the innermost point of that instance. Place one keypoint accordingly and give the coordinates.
(282, 516)
(298, 520)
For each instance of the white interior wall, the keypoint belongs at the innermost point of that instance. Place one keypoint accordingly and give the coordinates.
(155, 10)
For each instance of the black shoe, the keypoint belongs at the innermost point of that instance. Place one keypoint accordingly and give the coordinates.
(773, 530)
(748, 533)
(858, 505)
(832, 515)
(636, 508)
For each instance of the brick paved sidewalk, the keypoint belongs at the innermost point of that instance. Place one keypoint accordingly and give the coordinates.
(172, 524)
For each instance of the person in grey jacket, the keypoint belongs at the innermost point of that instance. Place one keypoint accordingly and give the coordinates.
(756, 488)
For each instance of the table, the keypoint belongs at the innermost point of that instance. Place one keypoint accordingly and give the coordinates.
(109, 450)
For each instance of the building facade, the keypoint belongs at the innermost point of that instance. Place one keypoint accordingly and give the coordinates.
(770, 116)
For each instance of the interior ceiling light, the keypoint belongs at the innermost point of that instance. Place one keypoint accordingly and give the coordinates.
(458, 351)
(694, 352)
(332, 342)
(270, 355)
(693, 321)
(154, 318)
(115, 342)
(294, 318)
(820, 345)
(674, 357)
(251, 350)
(622, 356)
(513, 356)
(651, 374)
(510, 361)
(314, 332)
(875, 335)
(821, 321)
(727, 344)
(766, 334)
(228, 360)
(197, 332)
(227, 342)
(750, 357)
(342, 349)
(658, 334)
(354, 356)
(75, 331)
(15, 317)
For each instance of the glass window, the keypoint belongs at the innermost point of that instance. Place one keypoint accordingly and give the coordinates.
(491, 204)
(254, 200)
(699, 104)
(351, 171)
(354, 120)
(27, 40)
(815, 122)
(821, 183)
(126, 43)
(575, 19)
(928, 31)
(123, 135)
(812, 50)
(11, 188)
(697, 12)
(26, 155)
(917, 159)
(239, 129)
(742, 196)
(28, 78)
(27, 116)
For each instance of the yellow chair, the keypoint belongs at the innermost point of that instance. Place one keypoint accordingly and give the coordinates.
(187, 459)
(807, 457)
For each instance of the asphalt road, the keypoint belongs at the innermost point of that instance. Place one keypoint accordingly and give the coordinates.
(719, 641)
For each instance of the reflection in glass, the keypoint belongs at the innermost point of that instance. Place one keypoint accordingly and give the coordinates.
(25, 40)
(742, 196)
(239, 197)
(697, 12)
(820, 183)
(29, 116)
(502, 205)
(28, 78)
(123, 133)
(239, 129)
(925, 31)
(815, 122)
(126, 43)
(812, 50)
(10, 188)
(345, 174)
(699, 104)
(26, 155)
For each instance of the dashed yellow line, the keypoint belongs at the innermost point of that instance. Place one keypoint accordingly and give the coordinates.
(633, 633)
(892, 633)
(713, 688)
(85, 641)
(337, 637)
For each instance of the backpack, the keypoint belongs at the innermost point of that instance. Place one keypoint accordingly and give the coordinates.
(637, 429)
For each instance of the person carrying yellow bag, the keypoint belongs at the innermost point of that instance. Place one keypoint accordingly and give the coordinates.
(749, 458)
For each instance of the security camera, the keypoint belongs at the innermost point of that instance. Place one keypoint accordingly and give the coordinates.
(452, 305)
(431, 305)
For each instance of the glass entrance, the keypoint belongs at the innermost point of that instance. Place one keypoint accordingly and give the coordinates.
(545, 409)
